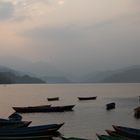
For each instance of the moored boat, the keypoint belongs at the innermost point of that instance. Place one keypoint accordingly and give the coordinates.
(137, 112)
(128, 132)
(41, 130)
(31, 108)
(67, 107)
(112, 133)
(106, 137)
(87, 98)
(53, 99)
(116, 134)
(110, 106)
(15, 116)
(27, 138)
(5, 123)
(73, 138)
(44, 109)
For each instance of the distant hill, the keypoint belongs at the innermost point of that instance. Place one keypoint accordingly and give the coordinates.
(5, 79)
(56, 79)
(26, 72)
(96, 77)
(10, 76)
(34, 70)
(126, 75)
(39, 69)
(6, 69)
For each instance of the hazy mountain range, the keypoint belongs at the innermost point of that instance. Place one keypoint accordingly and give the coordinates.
(10, 76)
(126, 75)
(41, 71)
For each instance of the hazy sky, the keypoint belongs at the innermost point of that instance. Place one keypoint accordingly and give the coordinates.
(72, 34)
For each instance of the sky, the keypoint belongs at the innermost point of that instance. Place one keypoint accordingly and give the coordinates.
(73, 35)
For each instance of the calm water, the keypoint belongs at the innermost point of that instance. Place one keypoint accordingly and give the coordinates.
(88, 117)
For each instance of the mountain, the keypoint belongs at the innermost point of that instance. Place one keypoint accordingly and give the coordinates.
(125, 75)
(39, 69)
(96, 77)
(10, 76)
(43, 70)
(52, 74)
(5, 79)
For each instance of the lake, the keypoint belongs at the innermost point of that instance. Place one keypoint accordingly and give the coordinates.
(88, 117)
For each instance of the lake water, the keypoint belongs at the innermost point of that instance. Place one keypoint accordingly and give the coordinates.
(88, 117)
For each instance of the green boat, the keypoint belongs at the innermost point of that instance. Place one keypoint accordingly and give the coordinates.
(106, 137)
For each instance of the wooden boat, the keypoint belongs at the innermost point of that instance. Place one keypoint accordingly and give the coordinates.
(43, 109)
(53, 99)
(60, 108)
(28, 138)
(128, 132)
(15, 116)
(137, 112)
(67, 107)
(137, 109)
(115, 134)
(110, 106)
(87, 98)
(41, 130)
(112, 133)
(5, 123)
(35, 110)
(31, 108)
(40, 137)
(106, 137)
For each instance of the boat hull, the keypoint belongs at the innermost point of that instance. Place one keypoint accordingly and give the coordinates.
(27, 138)
(106, 137)
(87, 98)
(128, 132)
(110, 106)
(44, 109)
(42, 130)
(13, 124)
(53, 99)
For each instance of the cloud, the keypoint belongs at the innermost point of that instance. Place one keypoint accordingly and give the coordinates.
(6, 10)
(20, 10)
(101, 44)
(61, 2)
(93, 32)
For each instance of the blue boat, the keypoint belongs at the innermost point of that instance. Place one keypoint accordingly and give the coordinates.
(128, 132)
(28, 138)
(6, 123)
(41, 130)
(116, 134)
